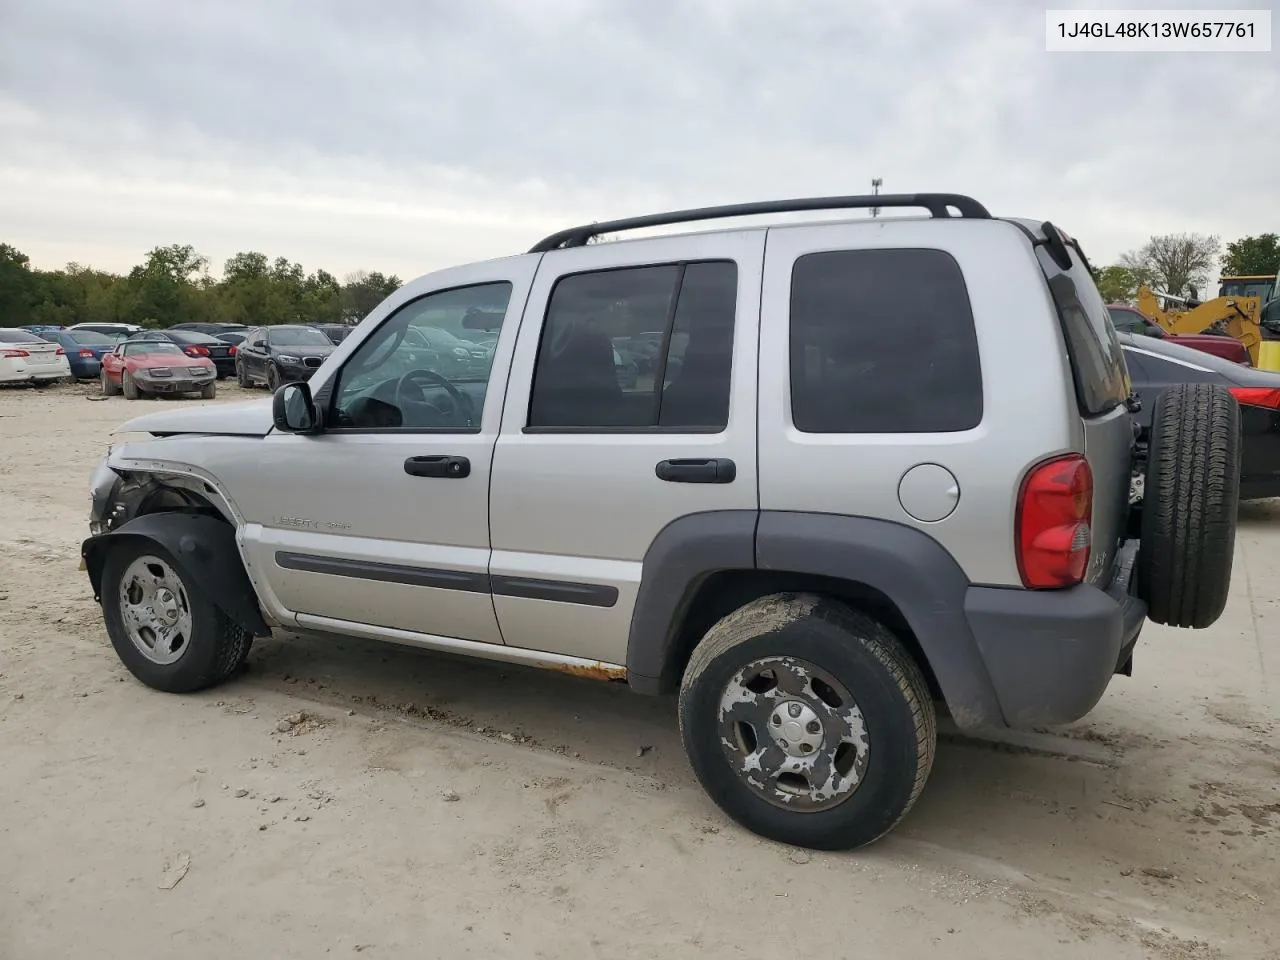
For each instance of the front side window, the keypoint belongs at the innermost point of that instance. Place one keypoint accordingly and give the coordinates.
(421, 370)
(883, 341)
(644, 348)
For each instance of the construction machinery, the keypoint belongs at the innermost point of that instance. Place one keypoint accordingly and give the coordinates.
(1233, 316)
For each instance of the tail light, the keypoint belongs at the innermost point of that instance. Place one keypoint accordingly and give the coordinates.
(59, 352)
(14, 354)
(197, 352)
(1055, 510)
(232, 351)
(1268, 397)
(85, 354)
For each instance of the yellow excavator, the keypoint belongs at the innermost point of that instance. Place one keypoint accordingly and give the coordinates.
(1234, 316)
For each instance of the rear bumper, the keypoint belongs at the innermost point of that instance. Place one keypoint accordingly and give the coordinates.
(1051, 654)
(226, 366)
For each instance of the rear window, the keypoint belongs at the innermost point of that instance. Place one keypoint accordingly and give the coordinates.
(87, 338)
(883, 341)
(1097, 362)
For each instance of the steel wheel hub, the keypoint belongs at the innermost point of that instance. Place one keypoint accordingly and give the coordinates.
(155, 610)
(793, 734)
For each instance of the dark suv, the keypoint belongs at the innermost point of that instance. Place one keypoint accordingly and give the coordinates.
(281, 354)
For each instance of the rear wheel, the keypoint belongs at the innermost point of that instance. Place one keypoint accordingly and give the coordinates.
(1190, 496)
(242, 377)
(131, 391)
(807, 722)
(209, 390)
(165, 630)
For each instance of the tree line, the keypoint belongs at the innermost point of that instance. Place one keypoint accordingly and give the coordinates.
(173, 285)
(1183, 264)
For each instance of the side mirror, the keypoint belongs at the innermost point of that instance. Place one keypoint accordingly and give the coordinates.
(294, 411)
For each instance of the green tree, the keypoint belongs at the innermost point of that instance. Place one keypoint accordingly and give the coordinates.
(1253, 256)
(17, 287)
(1116, 283)
(363, 291)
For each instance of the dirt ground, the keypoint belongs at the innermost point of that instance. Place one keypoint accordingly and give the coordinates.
(347, 797)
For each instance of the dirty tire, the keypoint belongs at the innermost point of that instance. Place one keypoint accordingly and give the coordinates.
(1190, 496)
(216, 650)
(242, 377)
(108, 388)
(209, 391)
(131, 391)
(862, 655)
(273, 378)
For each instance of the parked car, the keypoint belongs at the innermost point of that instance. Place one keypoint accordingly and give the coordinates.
(1130, 320)
(212, 329)
(278, 354)
(235, 338)
(196, 344)
(118, 330)
(84, 349)
(1156, 366)
(337, 332)
(42, 327)
(809, 533)
(139, 368)
(26, 357)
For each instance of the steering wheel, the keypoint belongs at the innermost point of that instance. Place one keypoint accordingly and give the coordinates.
(460, 403)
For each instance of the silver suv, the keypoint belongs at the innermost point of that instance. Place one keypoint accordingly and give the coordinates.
(870, 466)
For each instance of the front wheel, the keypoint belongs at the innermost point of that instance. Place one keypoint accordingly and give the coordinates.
(273, 378)
(163, 627)
(807, 722)
(130, 388)
(109, 389)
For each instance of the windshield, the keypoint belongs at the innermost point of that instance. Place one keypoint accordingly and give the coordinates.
(298, 337)
(1248, 288)
(18, 336)
(88, 338)
(136, 348)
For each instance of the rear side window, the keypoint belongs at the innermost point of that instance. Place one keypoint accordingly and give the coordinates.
(882, 341)
(638, 348)
(1097, 363)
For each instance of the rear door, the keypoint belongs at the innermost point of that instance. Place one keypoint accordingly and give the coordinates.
(594, 457)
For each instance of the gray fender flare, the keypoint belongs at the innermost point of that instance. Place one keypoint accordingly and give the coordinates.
(907, 566)
(204, 549)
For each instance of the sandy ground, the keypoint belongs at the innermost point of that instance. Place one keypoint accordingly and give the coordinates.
(431, 807)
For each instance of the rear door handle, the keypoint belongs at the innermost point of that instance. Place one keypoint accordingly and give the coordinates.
(696, 471)
(445, 467)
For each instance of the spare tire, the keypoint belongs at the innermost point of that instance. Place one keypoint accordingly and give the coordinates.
(1192, 490)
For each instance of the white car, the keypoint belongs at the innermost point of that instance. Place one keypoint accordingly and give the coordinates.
(25, 358)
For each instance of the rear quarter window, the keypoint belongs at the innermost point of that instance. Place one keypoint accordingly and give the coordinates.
(883, 341)
(1097, 362)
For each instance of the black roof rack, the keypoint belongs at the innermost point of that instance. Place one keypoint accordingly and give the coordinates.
(936, 203)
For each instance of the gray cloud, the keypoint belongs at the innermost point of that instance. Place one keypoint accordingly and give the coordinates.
(408, 135)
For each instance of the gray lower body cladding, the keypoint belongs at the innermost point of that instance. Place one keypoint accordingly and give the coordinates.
(1000, 656)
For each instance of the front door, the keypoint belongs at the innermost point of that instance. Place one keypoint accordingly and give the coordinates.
(638, 359)
(381, 523)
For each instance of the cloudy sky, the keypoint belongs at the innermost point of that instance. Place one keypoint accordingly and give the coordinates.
(407, 135)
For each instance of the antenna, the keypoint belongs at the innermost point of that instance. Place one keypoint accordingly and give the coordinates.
(876, 184)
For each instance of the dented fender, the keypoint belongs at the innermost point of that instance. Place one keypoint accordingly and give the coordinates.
(203, 549)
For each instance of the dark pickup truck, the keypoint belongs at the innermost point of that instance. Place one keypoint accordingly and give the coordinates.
(1129, 320)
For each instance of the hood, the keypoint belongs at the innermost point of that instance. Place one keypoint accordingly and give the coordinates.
(250, 418)
(307, 350)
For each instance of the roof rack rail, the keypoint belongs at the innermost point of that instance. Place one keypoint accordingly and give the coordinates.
(936, 203)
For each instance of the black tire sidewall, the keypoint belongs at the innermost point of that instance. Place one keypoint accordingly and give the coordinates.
(273, 378)
(892, 763)
(242, 376)
(197, 667)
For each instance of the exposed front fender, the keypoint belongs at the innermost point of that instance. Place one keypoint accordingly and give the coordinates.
(205, 552)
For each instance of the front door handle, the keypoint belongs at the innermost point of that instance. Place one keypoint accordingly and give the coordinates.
(448, 468)
(696, 471)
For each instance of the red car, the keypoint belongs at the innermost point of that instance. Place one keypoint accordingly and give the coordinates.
(1129, 320)
(148, 367)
